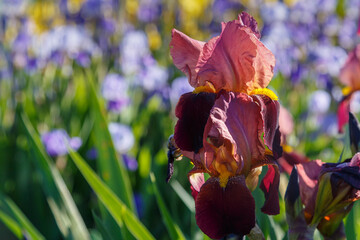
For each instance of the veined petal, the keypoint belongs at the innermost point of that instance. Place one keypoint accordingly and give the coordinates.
(221, 211)
(270, 110)
(247, 20)
(235, 61)
(185, 52)
(270, 187)
(308, 182)
(235, 122)
(193, 112)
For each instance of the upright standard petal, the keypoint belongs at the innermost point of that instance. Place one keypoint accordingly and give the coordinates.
(235, 61)
(247, 20)
(221, 211)
(185, 52)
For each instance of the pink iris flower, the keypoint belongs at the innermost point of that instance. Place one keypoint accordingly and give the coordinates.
(327, 191)
(349, 76)
(228, 126)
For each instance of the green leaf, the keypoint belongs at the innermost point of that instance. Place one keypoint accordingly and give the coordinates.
(173, 229)
(23, 224)
(100, 225)
(183, 195)
(120, 212)
(144, 162)
(62, 205)
(112, 169)
(11, 224)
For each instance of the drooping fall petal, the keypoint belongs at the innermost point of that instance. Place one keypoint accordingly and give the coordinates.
(193, 112)
(229, 126)
(270, 187)
(221, 211)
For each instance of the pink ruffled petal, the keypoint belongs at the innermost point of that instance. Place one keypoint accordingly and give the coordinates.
(221, 211)
(270, 186)
(185, 52)
(286, 123)
(247, 20)
(235, 61)
(308, 182)
(229, 124)
(350, 72)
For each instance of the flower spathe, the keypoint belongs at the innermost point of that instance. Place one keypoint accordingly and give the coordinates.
(228, 126)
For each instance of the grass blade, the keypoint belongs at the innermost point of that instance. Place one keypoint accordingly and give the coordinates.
(11, 224)
(183, 195)
(59, 198)
(23, 224)
(120, 212)
(173, 229)
(111, 168)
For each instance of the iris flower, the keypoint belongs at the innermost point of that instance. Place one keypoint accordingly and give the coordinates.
(349, 75)
(228, 126)
(328, 192)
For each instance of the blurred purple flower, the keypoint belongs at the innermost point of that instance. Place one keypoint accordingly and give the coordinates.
(130, 162)
(114, 90)
(57, 142)
(153, 76)
(149, 10)
(134, 47)
(179, 86)
(122, 137)
(70, 41)
(274, 11)
(139, 203)
(319, 102)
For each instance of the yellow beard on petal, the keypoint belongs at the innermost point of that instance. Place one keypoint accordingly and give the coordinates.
(225, 165)
(208, 87)
(264, 91)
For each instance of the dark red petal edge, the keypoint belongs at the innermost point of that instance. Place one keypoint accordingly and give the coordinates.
(222, 211)
(343, 113)
(193, 111)
(270, 186)
(270, 110)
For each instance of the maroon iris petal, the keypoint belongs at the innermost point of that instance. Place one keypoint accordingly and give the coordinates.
(193, 112)
(343, 113)
(270, 186)
(270, 110)
(349, 174)
(221, 211)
